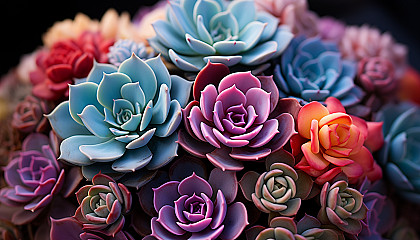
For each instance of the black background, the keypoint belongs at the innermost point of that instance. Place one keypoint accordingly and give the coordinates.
(23, 22)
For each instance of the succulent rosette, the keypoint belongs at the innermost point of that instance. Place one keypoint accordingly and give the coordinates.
(331, 29)
(376, 76)
(65, 61)
(279, 190)
(33, 176)
(29, 115)
(235, 117)
(124, 48)
(399, 155)
(122, 120)
(286, 228)
(313, 70)
(198, 31)
(194, 208)
(342, 206)
(333, 142)
(103, 205)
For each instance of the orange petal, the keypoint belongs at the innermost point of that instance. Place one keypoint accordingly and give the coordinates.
(338, 151)
(304, 166)
(334, 138)
(353, 171)
(315, 160)
(314, 136)
(361, 124)
(333, 118)
(375, 138)
(343, 133)
(353, 139)
(312, 110)
(327, 176)
(324, 137)
(341, 162)
(364, 158)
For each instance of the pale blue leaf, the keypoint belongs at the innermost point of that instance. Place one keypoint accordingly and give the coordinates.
(251, 34)
(229, 47)
(315, 95)
(127, 138)
(103, 152)
(70, 149)
(227, 60)
(110, 88)
(226, 21)
(147, 116)
(98, 70)
(140, 72)
(191, 64)
(142, 140)
(198, 46)
(172, 121)
(202, 31)
(244, 11)
(133, 160)
(161, 107)
(63, 124)
(158, 47)
(207, 9)
(163, 149)
(169, 37)
(179, 21)
(94, 122)
(259, 54)
(133, 93)
(282, 37)
(160, 70)
(133, 123)
(181, 89)
(271, 27)
(398, 178)
(80, 96)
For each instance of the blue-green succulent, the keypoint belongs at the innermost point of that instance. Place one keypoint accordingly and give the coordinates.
(313, 70)
(399, 156)
(228, 32)
(122, 119)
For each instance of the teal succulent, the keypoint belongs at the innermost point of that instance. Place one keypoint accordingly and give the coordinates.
(399, 155)
(117, 120)
(228, 32)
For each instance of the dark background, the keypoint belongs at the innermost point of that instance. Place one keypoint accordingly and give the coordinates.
(23, 22)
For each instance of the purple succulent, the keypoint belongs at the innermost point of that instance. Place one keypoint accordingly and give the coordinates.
(29, 115)
(198, 209)
(33, 177)
(280, 189)
(286, 228)
(103, 205)
(69, 229)
(235, 117)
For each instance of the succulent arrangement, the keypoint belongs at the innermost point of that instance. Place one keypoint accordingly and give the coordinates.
(211, 119)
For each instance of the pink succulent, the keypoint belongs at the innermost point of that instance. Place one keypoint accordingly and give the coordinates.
(292, 13)
(235, 117)
(335, 142)
(29, 115)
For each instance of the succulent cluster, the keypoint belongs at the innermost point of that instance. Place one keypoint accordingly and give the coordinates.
(211, 119)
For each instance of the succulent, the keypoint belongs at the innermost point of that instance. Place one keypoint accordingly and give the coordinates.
(64, 62)
(124, 48)
(279, 190)
(286, 228)
(33, 177)
(103, 205)
(235, 117)
(331, 29)
(342, 206)
(312, 70)
(122, 120)
(334, 142)
(198, 31)
(29, 115)
(194, 208)
(399, 155)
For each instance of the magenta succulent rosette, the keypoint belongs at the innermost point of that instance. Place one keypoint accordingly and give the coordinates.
(235, 117)
(33, 176)
(194, 208)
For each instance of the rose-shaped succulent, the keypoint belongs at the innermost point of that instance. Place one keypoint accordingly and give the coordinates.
(286, 228)
(342, 206)
(103, 205)
(199, 31)
(292, 13)
(29, 115)
(122, 121)
(65, 61)
(69, 229)
(280, 189)
(124, 48)
(33, 177)
(235, 117)
(360, 42)
(399, 155)
(312, 70)
(194, 208)
(375, 75)
(337, 143)
(331, 29)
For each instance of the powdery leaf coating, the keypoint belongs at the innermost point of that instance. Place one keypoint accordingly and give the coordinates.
(195, 32)
(103, 205)
(186, 209)
(230, 120)
(121, 117)
(337, 143)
